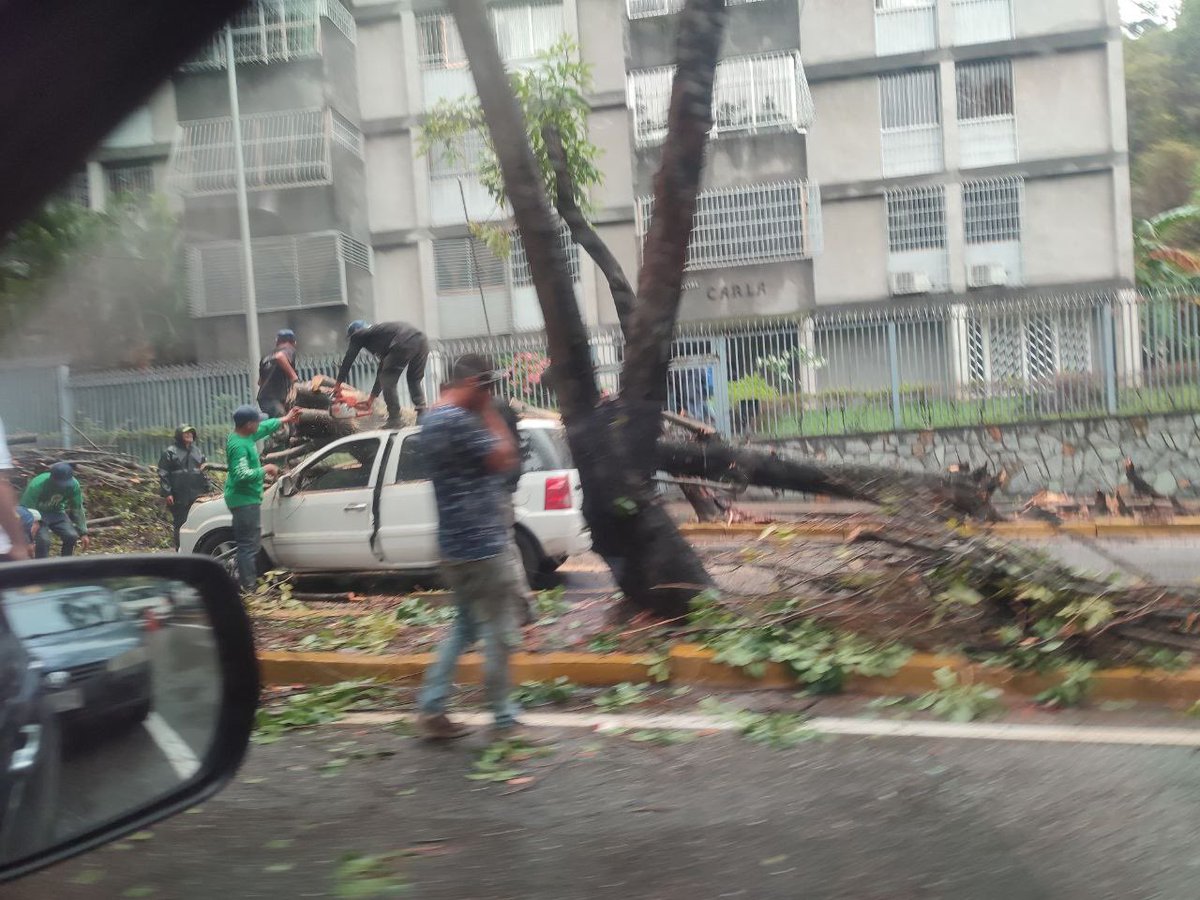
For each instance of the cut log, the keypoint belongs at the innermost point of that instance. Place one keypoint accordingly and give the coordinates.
(947, 496)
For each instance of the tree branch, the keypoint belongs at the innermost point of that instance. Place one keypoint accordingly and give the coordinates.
(582, 232)
(664, 255)
(574, 381)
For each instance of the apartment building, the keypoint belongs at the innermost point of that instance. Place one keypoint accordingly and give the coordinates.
(864, 152)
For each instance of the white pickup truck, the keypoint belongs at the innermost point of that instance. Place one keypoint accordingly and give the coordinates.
(362, 504)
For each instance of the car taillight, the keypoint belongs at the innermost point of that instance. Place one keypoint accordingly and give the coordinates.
(558, 492)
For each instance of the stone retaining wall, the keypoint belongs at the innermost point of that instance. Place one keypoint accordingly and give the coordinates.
(1078, 457)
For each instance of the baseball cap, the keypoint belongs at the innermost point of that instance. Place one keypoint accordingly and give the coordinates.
(247, 413)
(62, 474)
(472, 365)
(355, 326)
(285, 334)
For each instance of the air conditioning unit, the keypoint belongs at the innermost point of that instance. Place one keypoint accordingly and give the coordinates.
(906, 283)
(987, 276)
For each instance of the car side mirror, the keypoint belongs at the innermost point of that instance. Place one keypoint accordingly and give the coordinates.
(287, 485)
(140, 669)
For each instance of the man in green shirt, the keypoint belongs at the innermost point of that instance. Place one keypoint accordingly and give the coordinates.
(244, 484)
(56, 494)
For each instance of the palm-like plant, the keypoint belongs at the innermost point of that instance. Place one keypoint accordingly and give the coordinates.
(1160, 265)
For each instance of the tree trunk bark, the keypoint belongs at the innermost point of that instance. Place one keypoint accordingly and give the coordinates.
(655, 567)
(947, 496)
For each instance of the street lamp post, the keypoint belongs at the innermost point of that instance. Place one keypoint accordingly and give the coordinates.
(243, 210)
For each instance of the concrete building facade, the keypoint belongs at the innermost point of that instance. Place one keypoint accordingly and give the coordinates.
(864, 153)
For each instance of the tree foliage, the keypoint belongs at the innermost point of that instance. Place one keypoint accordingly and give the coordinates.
(115, 277)
(551, 92)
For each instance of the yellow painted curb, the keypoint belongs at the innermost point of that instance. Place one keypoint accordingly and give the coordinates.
(691, 664)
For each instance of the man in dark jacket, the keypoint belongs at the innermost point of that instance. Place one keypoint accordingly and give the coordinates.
(181, 478)
(277, 374)
(398, 346)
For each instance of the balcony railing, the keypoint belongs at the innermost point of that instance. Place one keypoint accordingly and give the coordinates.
(765, 92)
(742, 226)
(982, 21)
(905, 26)
(272, 31)
(287, 149)
(298, 271)
(645, 9)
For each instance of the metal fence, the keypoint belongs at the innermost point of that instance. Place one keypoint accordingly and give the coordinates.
(919, 366)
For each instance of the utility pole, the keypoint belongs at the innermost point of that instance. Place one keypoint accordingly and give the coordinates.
(243, 211)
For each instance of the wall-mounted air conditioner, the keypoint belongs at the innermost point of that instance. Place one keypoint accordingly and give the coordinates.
(987, 276)
(907, 283)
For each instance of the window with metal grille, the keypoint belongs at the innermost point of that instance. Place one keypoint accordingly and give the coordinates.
(985, 89)
(462, 159)
(992, 210)
(271, 31)
(130, 180)
(905, 26)
(911, 122)
(76, 189)
(764, 92)
(465, 264)
(987, 126)
(518, 262)
(754, 224)
(523, 31)
(290, 272)
(916, 219)
(644, 9)
(982, 21)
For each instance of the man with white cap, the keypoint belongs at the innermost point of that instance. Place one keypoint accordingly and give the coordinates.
(57, 496)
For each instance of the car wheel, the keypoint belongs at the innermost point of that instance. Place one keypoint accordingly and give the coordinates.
(138, 714)
(221, 547)
(538, 572)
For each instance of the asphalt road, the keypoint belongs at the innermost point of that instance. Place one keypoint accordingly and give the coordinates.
(868, 818)
(113, 766)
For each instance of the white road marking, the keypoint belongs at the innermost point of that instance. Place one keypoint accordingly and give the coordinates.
(1054, 734)
(173, 747)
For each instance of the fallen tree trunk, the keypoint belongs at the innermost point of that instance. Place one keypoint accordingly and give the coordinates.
(946, 496)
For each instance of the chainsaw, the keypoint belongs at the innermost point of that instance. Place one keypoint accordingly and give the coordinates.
(343, 403)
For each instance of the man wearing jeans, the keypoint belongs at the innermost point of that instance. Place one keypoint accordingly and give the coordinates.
(467, 449)
(57, 496)
(244, 484)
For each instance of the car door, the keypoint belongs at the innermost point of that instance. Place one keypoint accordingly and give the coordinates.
(326, 523)
(408, 519)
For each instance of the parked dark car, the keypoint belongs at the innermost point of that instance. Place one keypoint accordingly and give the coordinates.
(29, 752)
(94, 658)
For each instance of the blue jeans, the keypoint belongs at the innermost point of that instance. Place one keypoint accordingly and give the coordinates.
(247, 534)
(60, 524)
(483, 600)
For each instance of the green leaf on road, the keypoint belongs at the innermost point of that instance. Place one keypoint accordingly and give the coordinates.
(88, 876)
(362, 877)
(278, 844)
(279, 867)
(140, 891)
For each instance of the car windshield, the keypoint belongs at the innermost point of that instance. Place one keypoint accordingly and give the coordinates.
(45, 613)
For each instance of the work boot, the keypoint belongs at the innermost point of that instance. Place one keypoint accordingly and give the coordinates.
(441, 727)
(393, 422)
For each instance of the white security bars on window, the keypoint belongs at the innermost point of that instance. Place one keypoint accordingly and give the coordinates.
(905, 26)
(290, 148)
(918, 259)
(992, 212)
(911, 123)
(129, 180)
(764, 92)
(987, 125)
(518, 262)
(454, 178)
(271, 31)
(746, 225)
(644, 9)
(299, 271)
(523, 32)
(982, 21)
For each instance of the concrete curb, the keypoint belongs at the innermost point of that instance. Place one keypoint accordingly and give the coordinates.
(694, 665)
(1182, 526)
